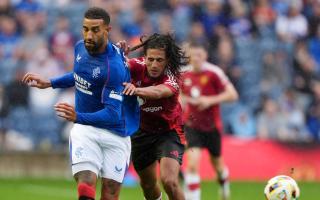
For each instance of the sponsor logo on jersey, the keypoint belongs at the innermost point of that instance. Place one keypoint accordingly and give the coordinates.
(195, 92)
(152, 109)
(82, 84)
(115, 95)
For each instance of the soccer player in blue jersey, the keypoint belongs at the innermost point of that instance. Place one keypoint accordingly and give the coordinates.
(99, 141)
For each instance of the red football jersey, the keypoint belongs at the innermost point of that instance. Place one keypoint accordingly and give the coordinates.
(159, 115)
(210, 81)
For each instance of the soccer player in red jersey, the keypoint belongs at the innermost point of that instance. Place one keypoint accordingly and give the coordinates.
(204, 86)
(155, 78)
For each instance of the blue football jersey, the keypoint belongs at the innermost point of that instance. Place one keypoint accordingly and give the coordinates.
(99, 82)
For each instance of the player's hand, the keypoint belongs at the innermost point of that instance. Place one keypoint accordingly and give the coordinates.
(129, 89)
(124, 46)
(35, 80)
(202, 103)
(66, 111)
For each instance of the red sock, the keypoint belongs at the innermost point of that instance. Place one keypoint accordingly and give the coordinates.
(85, 190)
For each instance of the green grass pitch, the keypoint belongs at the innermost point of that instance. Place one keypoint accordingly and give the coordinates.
(60, 189)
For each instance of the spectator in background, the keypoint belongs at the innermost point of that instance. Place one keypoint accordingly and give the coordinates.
(62, 40)
(293, 25)
(314, 19)
(304, 69)
(6, 8)
(204, 88)
(31, 9)
(314, 46)
(4, 104)
(242, 123)
(293, 114)
(275, 73)
(31, 39)
(239, 24)
(9, 39)
(263, 14)
(212, 16)
(271, 123)
(313, 112)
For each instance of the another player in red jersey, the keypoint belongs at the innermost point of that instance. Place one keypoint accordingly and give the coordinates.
(204, 86)
(160, 138)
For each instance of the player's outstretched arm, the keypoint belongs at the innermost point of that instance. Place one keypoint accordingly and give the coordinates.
(35, 80)
(151, 92)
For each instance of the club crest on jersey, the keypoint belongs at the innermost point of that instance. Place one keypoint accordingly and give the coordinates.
(204, 80)
(95, 72)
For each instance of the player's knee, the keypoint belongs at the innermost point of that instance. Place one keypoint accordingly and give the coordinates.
(169, 182)
(86, 191)
(148, 185)
(192, 168)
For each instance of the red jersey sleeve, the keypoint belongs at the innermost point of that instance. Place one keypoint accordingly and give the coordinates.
(220, 78)
(171, 82)
(136, 67)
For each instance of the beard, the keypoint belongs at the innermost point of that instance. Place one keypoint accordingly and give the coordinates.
(93, 47)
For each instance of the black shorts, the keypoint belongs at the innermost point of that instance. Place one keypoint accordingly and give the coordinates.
(149, 147)
(208, 140)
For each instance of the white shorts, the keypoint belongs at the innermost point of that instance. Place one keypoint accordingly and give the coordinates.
(100, 151)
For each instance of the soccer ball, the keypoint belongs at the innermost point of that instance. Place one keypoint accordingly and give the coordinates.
(282, 188)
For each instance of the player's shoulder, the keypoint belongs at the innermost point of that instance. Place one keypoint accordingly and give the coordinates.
(170, 79)
(79, 46)
(79, 43)
(213, 69)
(138, 61)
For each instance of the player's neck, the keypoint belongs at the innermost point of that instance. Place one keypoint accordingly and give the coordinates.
(103, 48)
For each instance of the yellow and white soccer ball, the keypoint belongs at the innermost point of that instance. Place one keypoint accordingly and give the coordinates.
(282, 188)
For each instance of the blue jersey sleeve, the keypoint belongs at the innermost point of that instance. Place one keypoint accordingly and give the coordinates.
(101, 118)
(110, 115)
(64, 81)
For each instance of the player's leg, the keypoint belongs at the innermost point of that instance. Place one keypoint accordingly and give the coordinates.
(223, 175)
(192, 177)
(86, 181)
(110, 189)
(196, 141)
(149, 183)
(86, 159)
(214, 147)
(169, 174)
(170, 151)
(144, 158)
(116, 157)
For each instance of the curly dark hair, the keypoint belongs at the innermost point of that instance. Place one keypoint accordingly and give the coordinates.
(175, 55)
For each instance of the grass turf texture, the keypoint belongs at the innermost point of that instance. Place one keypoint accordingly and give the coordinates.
(59, 189)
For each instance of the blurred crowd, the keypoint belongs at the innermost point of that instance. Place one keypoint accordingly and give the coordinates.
(270, 50)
